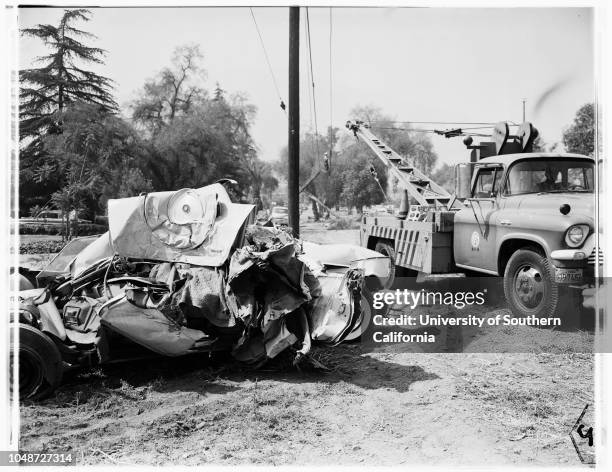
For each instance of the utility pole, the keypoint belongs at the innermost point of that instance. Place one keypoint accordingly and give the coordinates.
(293, 146)
(524, 110)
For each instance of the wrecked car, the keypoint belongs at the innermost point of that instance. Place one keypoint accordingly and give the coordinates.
(187, 272)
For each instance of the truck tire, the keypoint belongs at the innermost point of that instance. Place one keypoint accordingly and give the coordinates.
(529, 285)
(40, 363)
(388, 250)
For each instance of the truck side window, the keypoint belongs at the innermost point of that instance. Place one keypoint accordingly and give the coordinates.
(487, 183)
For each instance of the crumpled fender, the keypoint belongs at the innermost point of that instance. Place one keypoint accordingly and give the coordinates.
(346, 255)
(150, 328)
(50, 318)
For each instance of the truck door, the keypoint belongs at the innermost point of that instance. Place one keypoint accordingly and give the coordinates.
(474, 243)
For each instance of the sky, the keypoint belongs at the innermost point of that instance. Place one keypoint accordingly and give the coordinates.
(415, 64)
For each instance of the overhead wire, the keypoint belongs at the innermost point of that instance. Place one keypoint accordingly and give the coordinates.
(331, 98)
(314, 98)
(437, 122)
(263, 46)
(307, 81)
(432, 131)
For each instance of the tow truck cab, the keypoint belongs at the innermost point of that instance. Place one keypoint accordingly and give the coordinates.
(541, 200)
(529, 217)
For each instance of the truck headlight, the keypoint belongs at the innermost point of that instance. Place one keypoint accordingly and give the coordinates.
(575, 235)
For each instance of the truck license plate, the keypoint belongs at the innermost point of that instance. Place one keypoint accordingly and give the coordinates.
(566, 276)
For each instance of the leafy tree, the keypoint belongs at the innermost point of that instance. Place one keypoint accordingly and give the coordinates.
(445, 176)
(211, 142)
(313, 148)
(350, 180)
(172, 92)
(359, 188)
(261, 180)
(95, 158)
(349, 169)
(579, 137)
(193, 140)
(413, 145)
(47, 91)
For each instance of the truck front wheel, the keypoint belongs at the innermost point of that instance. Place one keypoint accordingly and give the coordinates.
(529, 284)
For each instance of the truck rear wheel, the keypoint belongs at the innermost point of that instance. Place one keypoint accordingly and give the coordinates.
(529, 284)
(388, 250)
(40, 363)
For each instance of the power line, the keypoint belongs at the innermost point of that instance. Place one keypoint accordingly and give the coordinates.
(263, 46)
(432, 131)
(331, 98)
(307, 81)
(314, 98)
(442, 122)
(395, 128)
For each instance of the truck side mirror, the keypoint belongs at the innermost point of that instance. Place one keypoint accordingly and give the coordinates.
(463, 180)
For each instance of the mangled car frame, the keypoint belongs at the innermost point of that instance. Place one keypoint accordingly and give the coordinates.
(186, 272)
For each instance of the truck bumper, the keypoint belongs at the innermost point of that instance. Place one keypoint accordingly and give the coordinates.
(577, 266)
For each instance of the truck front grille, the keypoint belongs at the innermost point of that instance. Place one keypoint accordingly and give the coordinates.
(593, 256)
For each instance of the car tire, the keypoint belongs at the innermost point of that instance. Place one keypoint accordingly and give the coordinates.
(388, 250)
(40, 363)
(529, 285)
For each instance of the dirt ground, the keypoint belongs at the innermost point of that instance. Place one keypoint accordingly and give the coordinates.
(376, 406)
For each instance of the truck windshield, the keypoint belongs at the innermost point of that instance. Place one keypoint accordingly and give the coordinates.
(550, 176)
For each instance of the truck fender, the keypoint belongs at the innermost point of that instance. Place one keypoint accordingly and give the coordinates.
(513, 241)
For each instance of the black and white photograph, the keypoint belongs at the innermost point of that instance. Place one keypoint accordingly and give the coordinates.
(305, 235)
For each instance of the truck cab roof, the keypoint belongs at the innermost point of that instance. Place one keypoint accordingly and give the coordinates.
(507, 159)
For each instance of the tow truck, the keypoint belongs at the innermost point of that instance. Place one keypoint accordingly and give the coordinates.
(525, 216)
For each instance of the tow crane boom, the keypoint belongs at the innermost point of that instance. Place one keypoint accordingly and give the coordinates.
(419, 186)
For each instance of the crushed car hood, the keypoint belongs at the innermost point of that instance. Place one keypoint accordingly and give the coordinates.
(194, 226)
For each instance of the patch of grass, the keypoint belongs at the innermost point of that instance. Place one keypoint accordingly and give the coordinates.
(343, 223)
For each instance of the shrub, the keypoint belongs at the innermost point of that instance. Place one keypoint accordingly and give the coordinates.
(86, 229)
(40, 228)
(41, 247)
(101, 220)
(82, 229)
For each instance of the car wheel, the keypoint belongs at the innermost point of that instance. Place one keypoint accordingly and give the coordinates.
(388, 250)
(40, 363)
(529, 285)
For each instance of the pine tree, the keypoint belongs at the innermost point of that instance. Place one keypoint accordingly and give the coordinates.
(50, 88)
(47, 91)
